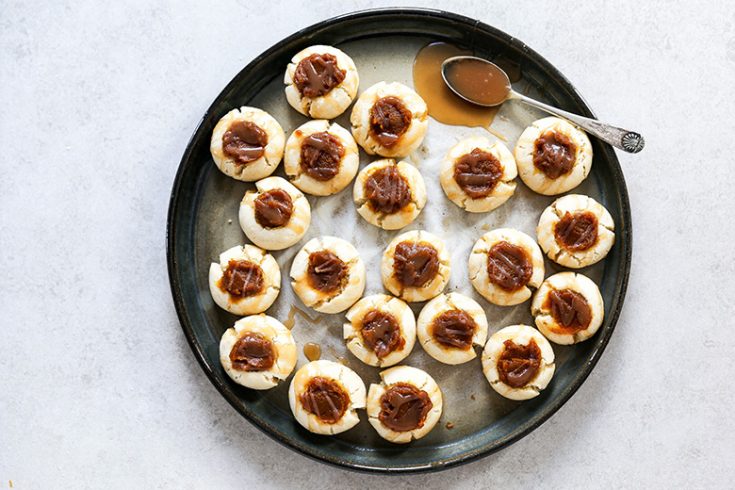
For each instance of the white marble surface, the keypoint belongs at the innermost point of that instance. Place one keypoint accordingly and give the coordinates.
(98, 387)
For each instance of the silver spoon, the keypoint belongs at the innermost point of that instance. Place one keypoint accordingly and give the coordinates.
(494, 88)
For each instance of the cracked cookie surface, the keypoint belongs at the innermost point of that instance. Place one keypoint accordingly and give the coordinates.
(324, 397)
(321, 158)
(311, 262)
(505, 266)
(415, 266)
(576, 231)
(248, 343)
(276, 215)
(247, 144)
(380, 330)
(518, 362)
(232, 280)
(553, 156)
(389, 119)
(389, 195)
(478, 176)
(405, 406)
(450, 326)
(568, 308)
(321, 82)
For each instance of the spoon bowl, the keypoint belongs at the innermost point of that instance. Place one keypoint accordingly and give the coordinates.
(476, 80)
(485, 84)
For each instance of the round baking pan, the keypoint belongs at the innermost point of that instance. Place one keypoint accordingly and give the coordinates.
(204, 202)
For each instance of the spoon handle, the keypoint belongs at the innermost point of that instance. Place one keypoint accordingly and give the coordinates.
(629, 141)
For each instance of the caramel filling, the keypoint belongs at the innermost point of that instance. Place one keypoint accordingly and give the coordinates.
(321, 154)
(326, 399)
(454, 329)
(569, 309)
(242, 278)
(326, 272)
(554, 154)
(404, 407)
(477, 173)
(415, 264)
(508, 266)
(381, 333)
(244, 142)
(273, 208)
(389, 120)
(576, 232)
(317, 75)
(387, 191)
(518, 365)
(253, 352)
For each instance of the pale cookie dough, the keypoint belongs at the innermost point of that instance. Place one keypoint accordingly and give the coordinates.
(568, 308)
(334, 78)
(415, 266)
(542, 359)
(324, 397)
(389, 119)
(389, 195)
(241, 352)
(478, 176)
(321, 158)
(449, 326)
(380, 330)
(576, 231)
(554, 181)
(254, 157)
(246, 280)
(328, 275)
(276, 215)
(517, 277)
(385, 416)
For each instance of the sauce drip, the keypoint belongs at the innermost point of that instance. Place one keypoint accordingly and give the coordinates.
(443, 104)
(273, 208)
(576, 232)
(508, 266)
(404, 407)
(380, 333)
(325, 398)
(312, 351)
(454, 329)
(242, 278)
(478, 81)
(252, 352)
(321, 154)
(291, 319)
(519, 364)
(244, 142)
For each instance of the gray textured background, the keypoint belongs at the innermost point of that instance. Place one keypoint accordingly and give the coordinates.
(97, 385)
